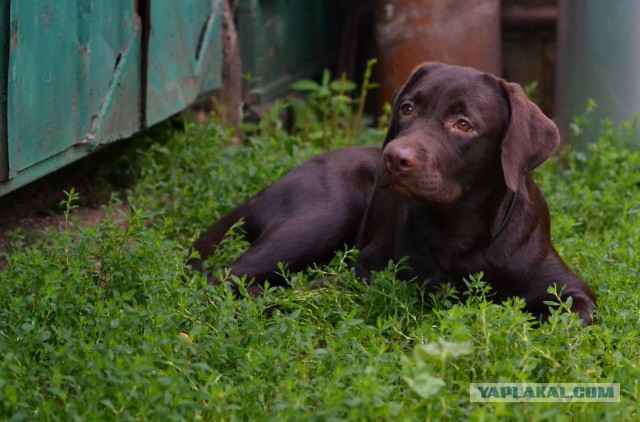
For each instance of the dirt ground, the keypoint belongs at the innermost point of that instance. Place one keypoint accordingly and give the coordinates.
(36, 206)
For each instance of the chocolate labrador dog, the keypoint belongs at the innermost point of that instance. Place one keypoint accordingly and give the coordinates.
(450, 189)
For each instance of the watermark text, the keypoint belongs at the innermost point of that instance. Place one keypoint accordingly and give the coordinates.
(544, 392)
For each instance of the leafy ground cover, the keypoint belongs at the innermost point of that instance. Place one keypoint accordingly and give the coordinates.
(101, 323)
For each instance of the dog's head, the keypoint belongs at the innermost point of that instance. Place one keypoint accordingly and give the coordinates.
(455, 129)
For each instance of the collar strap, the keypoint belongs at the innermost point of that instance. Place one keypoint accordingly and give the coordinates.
(506, 218)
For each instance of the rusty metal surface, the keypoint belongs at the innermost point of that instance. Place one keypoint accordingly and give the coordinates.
(457, 32)
(523, 18)
(229, 96)
(529, 47)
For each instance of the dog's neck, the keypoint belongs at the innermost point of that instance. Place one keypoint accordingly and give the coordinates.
(474, 221)
(507, 214)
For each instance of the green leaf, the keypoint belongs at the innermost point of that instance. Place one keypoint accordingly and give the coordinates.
(342, 86)
(342, 99)
(305, 85)
(108, 404)
(425, 385)
(442, 350)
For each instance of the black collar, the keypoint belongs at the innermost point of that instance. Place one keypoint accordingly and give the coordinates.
(506, 218)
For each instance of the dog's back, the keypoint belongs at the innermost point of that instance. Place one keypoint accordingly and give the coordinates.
(303, 218)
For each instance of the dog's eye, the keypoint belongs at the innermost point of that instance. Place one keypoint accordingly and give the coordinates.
(464, 125)
(406, 109)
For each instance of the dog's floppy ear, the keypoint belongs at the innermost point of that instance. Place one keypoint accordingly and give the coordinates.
(416, 75)
(530, 137)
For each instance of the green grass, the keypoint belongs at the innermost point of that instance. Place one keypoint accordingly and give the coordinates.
(101, 323)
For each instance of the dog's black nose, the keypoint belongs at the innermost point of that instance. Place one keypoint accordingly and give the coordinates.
(399, 159)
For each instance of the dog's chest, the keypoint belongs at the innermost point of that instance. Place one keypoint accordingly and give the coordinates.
(439, 261)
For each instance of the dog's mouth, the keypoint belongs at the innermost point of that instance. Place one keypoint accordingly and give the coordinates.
(401, 186)
(423, 195)
(401, 191)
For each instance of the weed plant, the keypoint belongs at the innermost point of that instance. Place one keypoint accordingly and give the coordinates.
(105, 323)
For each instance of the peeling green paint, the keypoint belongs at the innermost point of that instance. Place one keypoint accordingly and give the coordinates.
(71, 75)
(186, 60)
(65, 71)
(4, 60)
